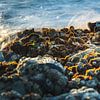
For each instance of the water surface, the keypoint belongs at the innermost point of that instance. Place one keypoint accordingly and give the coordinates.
(21, 14)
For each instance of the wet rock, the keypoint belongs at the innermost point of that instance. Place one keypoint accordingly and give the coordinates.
(34, 63)
(59, 84)
(95, 62)
(96, 38)
(7, 68)
(82, 82)
(4, 98)
(97, 28)
(25, 33)
(94, 27)
(11, 56)
(19, 87)
(65, 30)
(32, 96)
(98, 74)
(91, 83)
(85, 93)
(46, 71)
(72, 84)
(79, 32)
(66, 96)
(9, 95)
(19, 49)
(2, 56)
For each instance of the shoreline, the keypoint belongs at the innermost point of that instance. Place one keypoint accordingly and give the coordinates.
(12, 35)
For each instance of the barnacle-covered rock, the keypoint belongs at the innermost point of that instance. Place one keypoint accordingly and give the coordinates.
(46, 71)
(58, 50)
(38, 61)
(85, 65)
(7, 67)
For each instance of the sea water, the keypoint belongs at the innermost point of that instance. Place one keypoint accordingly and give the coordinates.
(21, 14)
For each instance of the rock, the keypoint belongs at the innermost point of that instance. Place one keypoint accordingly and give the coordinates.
(25, 33)
(19, 87)
(2, 56)
(58, 80)
(96, 38)
(46, 71)
(97, 28)
(32, 96)
(92, 26)
(82, 83)
(66, 96)
(34, 63)
(9, 95)
(72, 84)
(18, 48)
(11, 56)
(95, 62)
(91, 83)
(85, 93)
(4, 98)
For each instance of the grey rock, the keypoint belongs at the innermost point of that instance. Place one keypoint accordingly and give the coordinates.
(32, 96)
(91, 83)
(35, 62)
(66, 96)
(19, 87)
(9, 95)
(85, 93)
(45, 71)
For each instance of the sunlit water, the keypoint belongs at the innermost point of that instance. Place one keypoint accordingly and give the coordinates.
(20, 14)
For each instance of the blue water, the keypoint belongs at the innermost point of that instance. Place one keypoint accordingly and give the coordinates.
(21, 14)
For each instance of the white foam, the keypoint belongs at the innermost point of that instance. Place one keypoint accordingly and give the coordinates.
(81, 19)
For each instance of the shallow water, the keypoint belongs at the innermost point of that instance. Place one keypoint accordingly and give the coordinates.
(21, 14)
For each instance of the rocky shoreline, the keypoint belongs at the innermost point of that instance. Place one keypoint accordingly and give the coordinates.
(52, 65)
